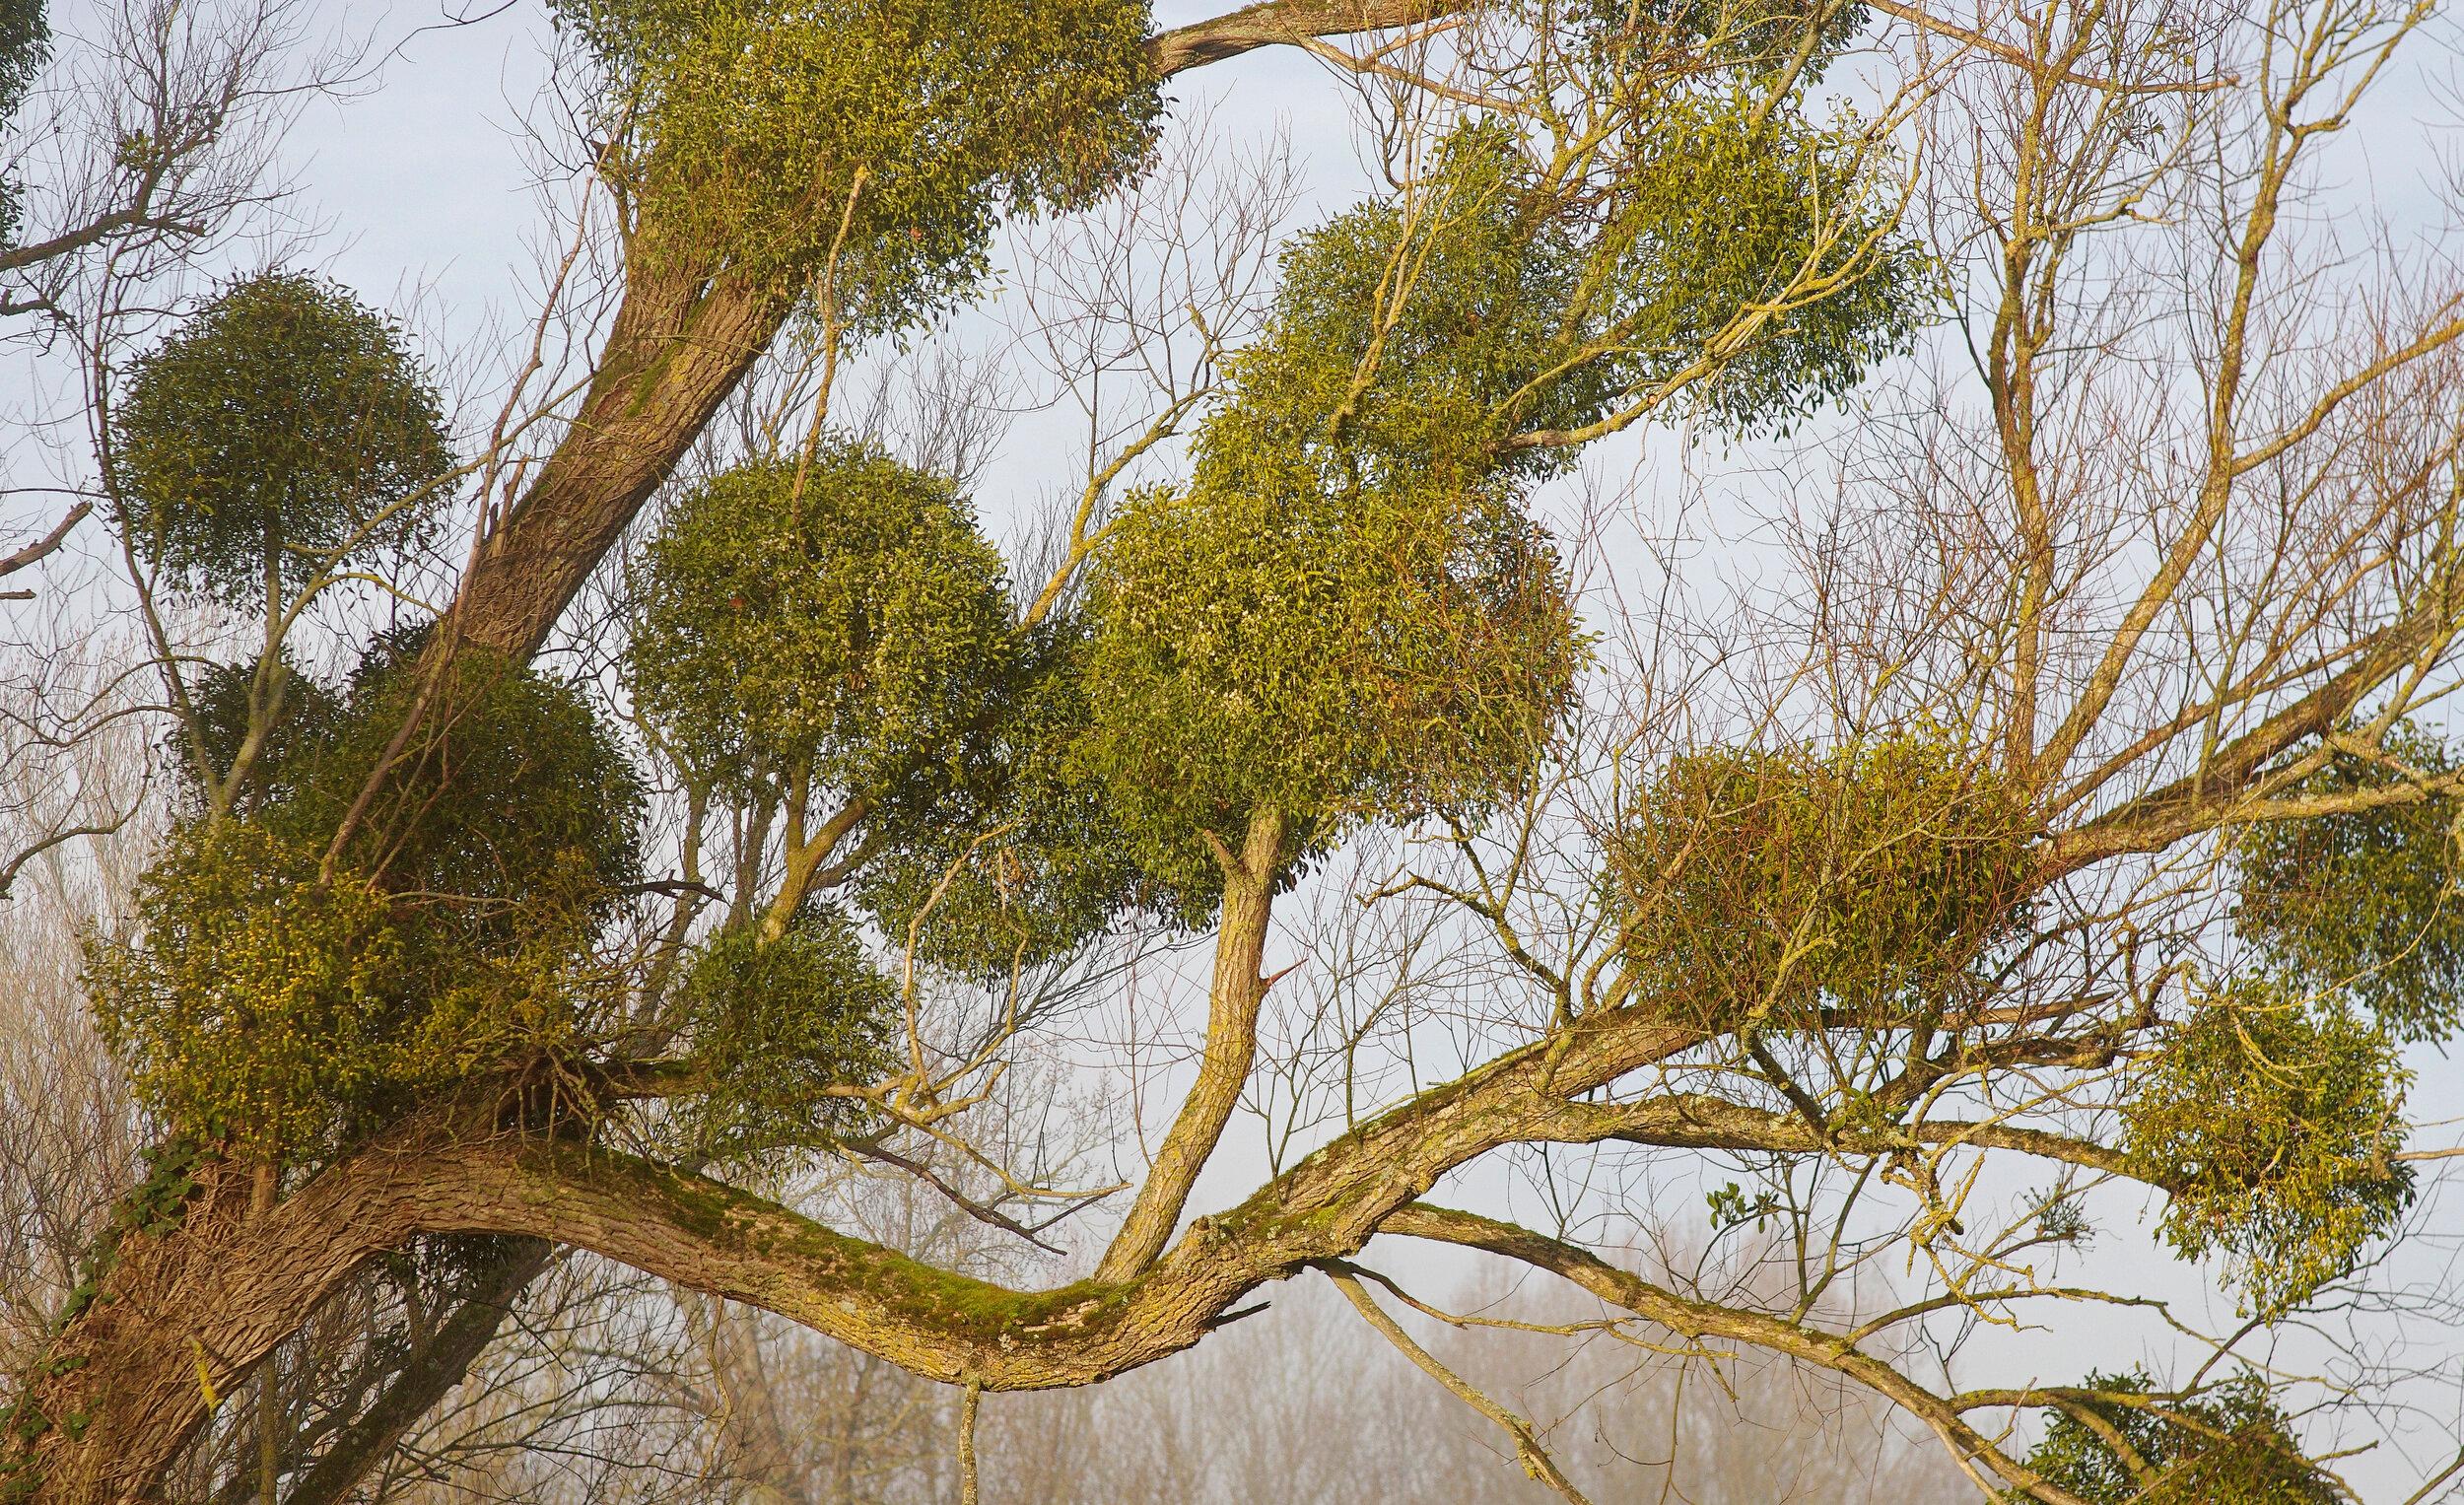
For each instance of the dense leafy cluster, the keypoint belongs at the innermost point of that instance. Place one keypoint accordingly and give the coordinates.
(843, 623)
(2231, 1442)
(1760, 883)
(775, 1024)
(1706, 237)
(1345, 614)
(2365, 902)
(1027, 858)
(274, 699)
(2273, 1119)
(1712, 216)
(509, 799)
(1411, 333)
(841, 631)
(284, 429)
(257, 996)
(1370, 656)
(284, 989)
(1748, 40)
(745, 124)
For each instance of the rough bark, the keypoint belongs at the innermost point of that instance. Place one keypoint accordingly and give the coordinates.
(674, 352)
(1282, 22)
(187, 1314)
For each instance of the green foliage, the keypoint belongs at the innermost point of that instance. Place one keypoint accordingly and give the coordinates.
(1711, 216)
(775, 1024)
(154, 1207)
(1345, 615)
(509, 801)
(1733, 40)
(847, 633)
(285, 1001)
(2273, 1119)
(859, 636)
(24, 46)
(1554, 285)
(1411, 333)
(1759, 883)
(2368, 901)
(1499, 296)
(2234, 1444)
(1024, 859)
(284, 427)
(1368, 656)
(1731, 1208)
(257, 996)
(745, 122)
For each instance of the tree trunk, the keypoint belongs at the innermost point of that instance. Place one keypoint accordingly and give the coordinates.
(675, 351)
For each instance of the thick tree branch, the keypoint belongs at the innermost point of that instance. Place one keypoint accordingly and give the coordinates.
(1282, 22)
(1297, 22)
(675, 350)
(1238, 991)
(231, 1282)
(10, 564)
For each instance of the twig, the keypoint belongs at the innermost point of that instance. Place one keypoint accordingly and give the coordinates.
(1535, 1460)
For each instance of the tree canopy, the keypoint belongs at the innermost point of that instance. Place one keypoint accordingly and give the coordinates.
(624, 804)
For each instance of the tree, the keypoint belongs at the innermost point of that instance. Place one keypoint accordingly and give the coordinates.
(1999, 847)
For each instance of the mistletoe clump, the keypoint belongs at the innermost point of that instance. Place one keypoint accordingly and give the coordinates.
(280, 434)
(409, 896)
(1765, 884)
(2274, 1119)
(2366, 901)
(1027, 858)
(840, 623)
(255, 997)
(1345, 614)
(836, 629)
(879, 141)
(776, 1025)
(2229, 1443)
